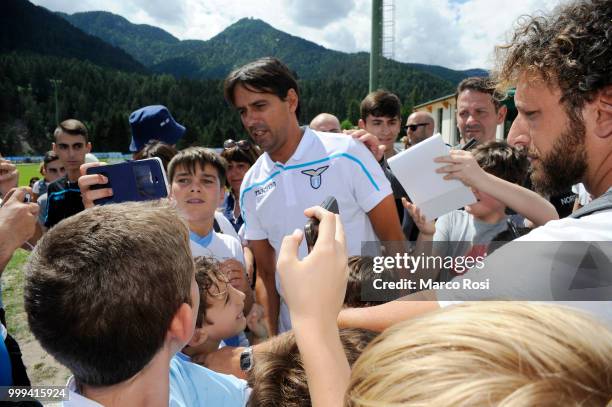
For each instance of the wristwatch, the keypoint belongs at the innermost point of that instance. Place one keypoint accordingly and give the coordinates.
(246, 359)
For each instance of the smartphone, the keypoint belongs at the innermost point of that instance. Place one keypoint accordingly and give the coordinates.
(140, 180)
(311, 229)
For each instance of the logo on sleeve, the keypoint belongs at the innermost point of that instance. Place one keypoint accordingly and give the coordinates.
(315, 176)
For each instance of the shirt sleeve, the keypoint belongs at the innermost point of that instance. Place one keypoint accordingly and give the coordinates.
(237, 251)
(369, 181)
(442, 228)
(195, 385)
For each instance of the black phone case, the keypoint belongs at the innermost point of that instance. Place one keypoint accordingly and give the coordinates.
(311, 229)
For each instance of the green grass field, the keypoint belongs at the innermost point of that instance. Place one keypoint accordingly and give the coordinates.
(27, 171)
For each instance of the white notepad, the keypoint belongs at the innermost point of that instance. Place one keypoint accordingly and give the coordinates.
(416, 171)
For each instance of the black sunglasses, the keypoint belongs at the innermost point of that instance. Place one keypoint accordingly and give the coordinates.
(241, 144)
(413, 127)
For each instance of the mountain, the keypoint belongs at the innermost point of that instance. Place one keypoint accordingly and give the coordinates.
(147, 44)
(248, 39)
(30, 28)
(450, 74)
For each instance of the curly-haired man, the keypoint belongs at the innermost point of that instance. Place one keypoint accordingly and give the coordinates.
(560, 65)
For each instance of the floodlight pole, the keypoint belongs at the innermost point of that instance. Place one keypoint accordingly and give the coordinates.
(56, 83)
(376, 46)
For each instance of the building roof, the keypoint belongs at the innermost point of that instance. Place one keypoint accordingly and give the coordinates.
(431, 102)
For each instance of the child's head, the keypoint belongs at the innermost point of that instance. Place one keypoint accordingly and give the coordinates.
(221, 311)
(155, 148)
(236, 275)
(197, 179)
(52, 168)
(360, 272)
(105, 288)
(278, 377)
(503, 161)
(380, 115)
(488, 353)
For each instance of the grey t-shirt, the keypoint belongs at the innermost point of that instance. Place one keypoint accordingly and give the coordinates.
(464, 233)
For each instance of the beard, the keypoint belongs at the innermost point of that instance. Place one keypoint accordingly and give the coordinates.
(565, 164)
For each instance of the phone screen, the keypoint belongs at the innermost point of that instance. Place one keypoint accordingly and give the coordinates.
(145, 181)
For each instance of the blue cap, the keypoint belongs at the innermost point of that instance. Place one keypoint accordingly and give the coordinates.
(154, 123)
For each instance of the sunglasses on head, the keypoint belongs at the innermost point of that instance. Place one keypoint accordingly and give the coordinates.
(241, 144)
(413, 127)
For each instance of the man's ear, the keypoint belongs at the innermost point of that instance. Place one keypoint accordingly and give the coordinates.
(361, 124)
(501, 114)
(88, 147)
(199, 337)
(603, 104)
(54, 147)
(181, 326)
(293, 100)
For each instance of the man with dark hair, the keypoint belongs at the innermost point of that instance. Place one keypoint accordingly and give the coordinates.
(560, 65)
(479, 109)
(63, 195)
(300, 168)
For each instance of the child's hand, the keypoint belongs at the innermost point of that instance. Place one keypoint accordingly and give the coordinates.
(462, 166)
(425, 227)
(314, 287)
(256, 321)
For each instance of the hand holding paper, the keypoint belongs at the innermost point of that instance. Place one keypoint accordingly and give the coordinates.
(416, 171)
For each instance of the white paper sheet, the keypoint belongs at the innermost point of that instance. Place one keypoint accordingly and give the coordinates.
(416, 171)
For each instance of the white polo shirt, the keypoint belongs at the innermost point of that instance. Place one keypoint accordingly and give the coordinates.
(274, 195)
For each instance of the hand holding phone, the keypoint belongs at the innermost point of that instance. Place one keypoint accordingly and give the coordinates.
(311, 229)
(139, 180)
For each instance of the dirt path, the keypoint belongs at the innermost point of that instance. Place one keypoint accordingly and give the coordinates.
(42, 368)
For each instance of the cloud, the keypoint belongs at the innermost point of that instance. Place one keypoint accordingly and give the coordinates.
(426, 33)
(342, 38)
(162, 10)
(318, 13)
(457, 34)
(69, 6)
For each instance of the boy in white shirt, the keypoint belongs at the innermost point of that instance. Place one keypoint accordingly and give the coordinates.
(197, 179)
